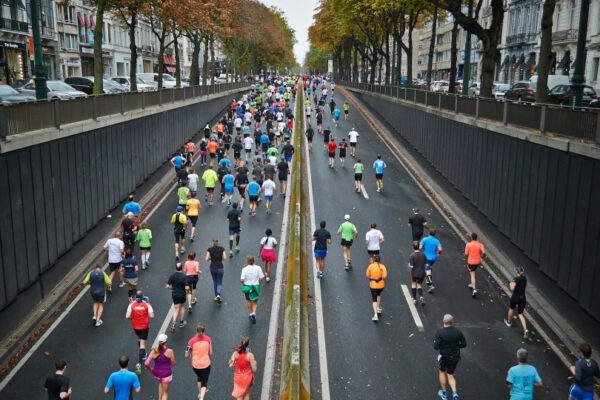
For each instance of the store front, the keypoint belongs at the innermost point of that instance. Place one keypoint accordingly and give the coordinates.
(87, 60)
(12, 63)
(49, 61)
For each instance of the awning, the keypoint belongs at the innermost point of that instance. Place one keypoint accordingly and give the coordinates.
(170, 68)
(87, 22)
(80, 18)
(505, 63)
(92, 23)
(169, 60)
(565, 61)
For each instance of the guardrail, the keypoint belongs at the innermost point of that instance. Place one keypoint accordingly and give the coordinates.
(26, 117)
(583, 124)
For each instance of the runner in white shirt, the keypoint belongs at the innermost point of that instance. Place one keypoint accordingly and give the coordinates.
(193, 180)
(307, 112)
(353, 135)
(251, 277)
(248, 116)
(248, 141)
(238, 124)
(269, 189)
(116, 250)
(267, 251)
(373, 240)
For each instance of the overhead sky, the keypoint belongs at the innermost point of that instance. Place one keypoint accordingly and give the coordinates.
(299, 14)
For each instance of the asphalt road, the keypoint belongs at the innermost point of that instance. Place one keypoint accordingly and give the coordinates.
(392, 359)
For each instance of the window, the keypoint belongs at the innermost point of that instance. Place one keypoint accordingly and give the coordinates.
(595, 66)
(70, 42)
(68, 13)
(556, 18)
(572, 17)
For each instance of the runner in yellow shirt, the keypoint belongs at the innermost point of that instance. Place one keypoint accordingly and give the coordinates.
(210, 179)
(193, 205)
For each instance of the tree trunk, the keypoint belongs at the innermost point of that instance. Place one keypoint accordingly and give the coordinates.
(98, 75)
(453, 57)
(365, 74)
(194, 67)
(213, 69)
(355, 66)
(177, 62)
(488, 65)
(541, 95)
(431, 47)
(374, 60)
(387, 60)
(133, 49)
(161, 63)
(205, 61)
(409, 57)
(398, 59)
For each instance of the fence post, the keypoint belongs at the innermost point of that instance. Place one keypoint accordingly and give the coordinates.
(543, 119)
(3, 123)
(455, 104)
(160, 92)
(598, 127)
(56, 109)
(477, 107)
(94, 108)
(122, 97)
(439, 101)
(143, 94)
(505, 113)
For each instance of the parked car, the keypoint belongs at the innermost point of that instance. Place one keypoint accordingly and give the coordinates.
(562, 94)
(521, 91)
(440, 86)
(9, 95)
(499, 90)
(474, 88)
(86, 85)
(56, 90)
(152, 77)
(141, 86)
(553, 80)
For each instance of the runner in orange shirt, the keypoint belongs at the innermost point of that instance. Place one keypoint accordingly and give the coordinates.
(212, 151)
(376, 273)
(474, 250)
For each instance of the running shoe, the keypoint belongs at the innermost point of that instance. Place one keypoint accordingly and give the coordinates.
(237, 248)
(526, 334)
(253, 318)
(346, 267)
(99, 322)
(138, 369)
(189, 309)
(378, 190)
(205, 197)
(182, 250)
(379, 310)
(194, 301)
(454, 396)
(94, 320)
(144, 266)
(381, 187)
(268, 279)
(172, 327)
(319, 274)
(422, 300)
(474, 294)
(109, 288)
(470, 286)
(121, 284)
(230, 253)
(431, 289)
(443, 395)
(147, 264)
(192, 239)
(210, 203)
(414, 301)
(182, 324)
(375, 318)
(177, 257)
(215, 299)
(507, 323)
(218, 298)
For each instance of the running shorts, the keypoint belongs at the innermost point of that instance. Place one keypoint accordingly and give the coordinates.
(346, 112)
(142, 334)
(429, 265)
(577, 394)
(203, 375)
(416, 279)
(193, 219)
(99, 297)
(210, 189)
(212, 155)
(320, 253)
(192, 281)
(242, 191)
(472, 267)
(282, 177)
(269, 197)
(179, 236)
(352, 144)
(131, 281)
(228, 189)
(332, 155)
(347, 243)
(342, 153)
(234, 231)
(378, 176)
(417, 236)
(237, 154)
(518, 302)
(288, 159)
(373, 252)
(177, 299)
(375, 293)
(358, 177)
(114, 266)
(253, 198)
(145, 248)
(447, 365)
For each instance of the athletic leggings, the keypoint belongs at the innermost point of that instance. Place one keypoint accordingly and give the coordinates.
(217, 275)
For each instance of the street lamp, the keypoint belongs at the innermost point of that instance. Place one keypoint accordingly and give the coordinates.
(41, 92)
(467, 62)
(579, 74)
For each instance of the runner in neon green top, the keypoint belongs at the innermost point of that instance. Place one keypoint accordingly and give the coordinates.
(210, 179)
(348, 232)
(358, 171)
(144, 236)
(346, 109)
(272, 151)
(183, 193)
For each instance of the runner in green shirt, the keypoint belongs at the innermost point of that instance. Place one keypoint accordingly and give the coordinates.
(348, 232)
(183, 193)
(272, 151)
(358, 171)
(210, 179)
(144, 237)
(346, 109)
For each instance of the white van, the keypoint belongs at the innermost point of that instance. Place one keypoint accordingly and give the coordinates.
(553, 80)
(152, 78)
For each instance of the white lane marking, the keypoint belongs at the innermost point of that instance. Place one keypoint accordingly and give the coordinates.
(164, 326)
(364, 191)
(269, 364)
(317, 284)
(413, 309)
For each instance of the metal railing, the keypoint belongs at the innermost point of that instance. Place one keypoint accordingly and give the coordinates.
(582, 124)
(14, 25)
(21, 118)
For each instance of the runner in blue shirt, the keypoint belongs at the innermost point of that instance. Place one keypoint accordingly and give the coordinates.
(132, 207)
(264, 144)
(336, 117)
(178, 161)
(522, 378)
(432, 248)
(225, 162)
(123, 381)
(228, 186)
(379, 165)
(253, 190)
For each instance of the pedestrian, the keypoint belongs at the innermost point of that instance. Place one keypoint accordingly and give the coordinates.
(522, 378)
(116, 250)
(178, 284)
(342, 151)
(474, 251)
(376, 273)
(216, 255)
(193, 206)
(244, 363)
(98, 281)
(358, 172)
(331, 147)
(140, 312)
(132, 207)
(373, 239)
(416, 223)
(348, 232)
(144, 238)
(57, 384)
(128, 226)
(269, 189)
(417, 262)
(164, 359)
(200, 348)
(432, 249)
(234, 218)
(179, 222)
(192, 270)
(322, 238)
(448, 341)
(192, 180)
(129, 274)
(210, 179)
(584, 371)
(123, 381)
(518, 300)
(353, 135)
(309, 134)
(267, 252)
(379, 165)
(251, 277)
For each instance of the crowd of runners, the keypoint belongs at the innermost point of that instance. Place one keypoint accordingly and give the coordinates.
(235, 166)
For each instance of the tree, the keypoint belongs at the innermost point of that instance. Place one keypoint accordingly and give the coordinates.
(101, 6)
(432, 45)
(453, 53)
(128, 12)
(541, 95)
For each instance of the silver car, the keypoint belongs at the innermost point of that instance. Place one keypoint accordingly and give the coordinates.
(9, 95)
(56, 90)
(140, 84)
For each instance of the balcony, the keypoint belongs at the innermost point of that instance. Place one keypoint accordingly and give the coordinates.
(12, 25)
(567, 35)
(520, 38)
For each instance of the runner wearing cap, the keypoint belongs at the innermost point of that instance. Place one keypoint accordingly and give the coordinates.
(348, 232)
(164, 359)
(140, 312)
(179, 222)
(322, 238)
(518, 300)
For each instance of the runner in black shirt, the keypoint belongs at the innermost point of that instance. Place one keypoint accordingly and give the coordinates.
(322, 238)
(416, 263)
(234, 217)
(309, 136)
(448, 340)
(417, 222)
(283, 170)
(179, 287)
(237, 147)
(57, 384)
(288, 151)
(518, 300)
(216, 255)
(241, 181)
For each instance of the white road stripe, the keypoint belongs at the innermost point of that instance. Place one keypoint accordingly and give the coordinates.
(317, 284)
(364, 191)
(413, 309)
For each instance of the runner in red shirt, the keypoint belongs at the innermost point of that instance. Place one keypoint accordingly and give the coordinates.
(139, 312)
(474, 251)
(331, 148)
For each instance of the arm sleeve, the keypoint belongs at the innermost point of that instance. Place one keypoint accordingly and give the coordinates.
(509, 377)
(537, 377)
(462, 343)
(136, 382)
(87, 277)
(109, 383)
(106, 279)
(384, 274)
(150, 309)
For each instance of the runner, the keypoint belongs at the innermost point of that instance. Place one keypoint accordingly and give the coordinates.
(319, 120)
(336, 117)
(245, 364)
(193, 205)
(416, 223)
(116, 250)
(221, 172)
(307, 111)
(269, 190)
(241, 181)
(212, 147)
(178, 161)
(57, 384)
(474, 250)
(234, 218)
(203, 152)
(322, 238)
(353, 135)
(283, 169)
(379, 165)
(227, 143)
(227, 182)
(179, 287)
(123, 381)
(331, 102)
(191, 148)
(346, 109)
(342, 150)
(128, 273)
(416, 263)
(216, 255)
(179, 222)
(584, 371)
(132, 207)
(200, 348)
(98, 281)
(267, 252)
(309, 136)
(348, 232)
(183, 194)
(373, 240)
(251, 277)
(358, 172)
(192, 269)
(288, 151)
(448, 340)
(237, 147)
(326, 138)
(376, 273)
(210, 179)
(192, 180)
(140, 312)
(432, 249)
(253, 190)
(129, 228)
(164, 359)
(518, 300)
